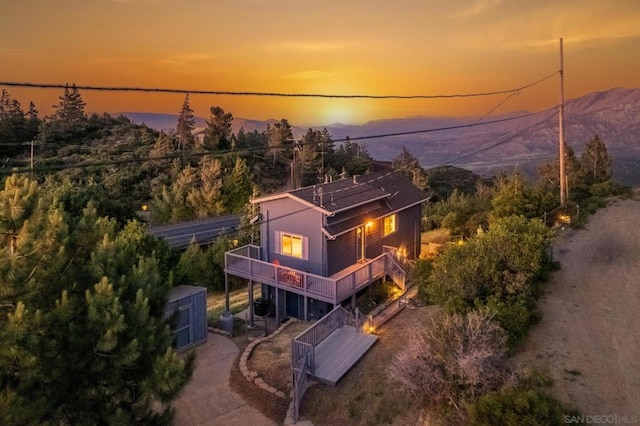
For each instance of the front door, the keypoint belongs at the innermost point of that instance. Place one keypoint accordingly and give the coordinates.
(293, 305)
(360, 244)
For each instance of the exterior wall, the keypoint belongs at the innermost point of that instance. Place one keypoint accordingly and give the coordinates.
(190, 310)
(278, 216)
(341, 252)
(373, 239)
(407, 235)
(292, 305)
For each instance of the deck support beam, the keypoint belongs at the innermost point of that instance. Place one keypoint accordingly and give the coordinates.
(251, 322)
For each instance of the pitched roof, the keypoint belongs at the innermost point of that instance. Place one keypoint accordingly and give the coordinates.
(333, 197)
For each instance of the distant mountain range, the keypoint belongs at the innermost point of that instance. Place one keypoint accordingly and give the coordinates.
(523, 143)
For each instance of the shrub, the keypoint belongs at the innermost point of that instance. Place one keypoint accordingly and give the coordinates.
(453, 361)
(501, 269)
(527, 403)
(606, 189)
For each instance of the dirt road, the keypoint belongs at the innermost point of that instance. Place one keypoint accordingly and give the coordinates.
(589, 337)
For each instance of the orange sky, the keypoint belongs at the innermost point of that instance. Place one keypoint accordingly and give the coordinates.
(330, 46)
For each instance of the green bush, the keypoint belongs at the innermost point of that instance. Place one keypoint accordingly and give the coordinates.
(516, 315)
(606, 189)
(517, 407)
(501, 269)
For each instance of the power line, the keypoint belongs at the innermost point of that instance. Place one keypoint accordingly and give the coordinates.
(452, 161)
(268, 94)
(247, 150)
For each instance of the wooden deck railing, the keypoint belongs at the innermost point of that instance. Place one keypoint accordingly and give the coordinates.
(303, 349)
(245, 262)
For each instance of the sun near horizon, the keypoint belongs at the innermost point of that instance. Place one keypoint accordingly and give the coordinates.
(331, 47)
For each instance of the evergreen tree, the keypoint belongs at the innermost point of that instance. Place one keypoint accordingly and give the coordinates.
(83, 338)
(550, 173)
(186, 125)
(70, 108)
(596, 161)
(162, 146)
(218, 133)
(13, 125)
(206, 198)
(237, 187)
(33, 122)
(280, 137)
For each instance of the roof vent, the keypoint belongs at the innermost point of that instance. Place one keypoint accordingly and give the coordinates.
(355, 180)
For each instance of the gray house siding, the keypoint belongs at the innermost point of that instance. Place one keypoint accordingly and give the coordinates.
(407, 235)
(374, 239)
(289, 216)
(341, 252)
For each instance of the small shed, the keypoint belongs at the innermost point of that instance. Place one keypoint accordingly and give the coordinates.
(189, 306)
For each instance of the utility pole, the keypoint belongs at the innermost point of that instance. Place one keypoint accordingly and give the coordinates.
(32, 142)
(563, 177)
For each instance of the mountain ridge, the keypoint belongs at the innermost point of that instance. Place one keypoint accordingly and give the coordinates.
(523, 144)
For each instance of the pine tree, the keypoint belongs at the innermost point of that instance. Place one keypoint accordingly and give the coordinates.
(218, 133)
(186, 125)
(13, 125)
(596, 161)
(83, 338)
(206, 198)
(237, 187)
(33, 122)
(280, 137)
(70, 108)
(162, 146)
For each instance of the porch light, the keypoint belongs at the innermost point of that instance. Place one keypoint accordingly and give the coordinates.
(369, 224)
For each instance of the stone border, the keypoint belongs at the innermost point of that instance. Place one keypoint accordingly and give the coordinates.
(252, 376)
(219, 331)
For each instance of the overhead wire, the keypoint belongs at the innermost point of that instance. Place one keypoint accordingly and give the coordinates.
(221, 153)
(267, 94)
(511, 92)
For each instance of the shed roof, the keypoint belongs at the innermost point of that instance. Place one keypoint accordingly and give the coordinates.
(182, 291)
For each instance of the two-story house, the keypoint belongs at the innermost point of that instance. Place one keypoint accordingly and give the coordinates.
(322, 244)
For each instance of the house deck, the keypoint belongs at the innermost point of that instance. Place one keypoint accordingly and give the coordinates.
(339, 352)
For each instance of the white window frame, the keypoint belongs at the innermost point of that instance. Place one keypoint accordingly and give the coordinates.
(304, 245)
(394, 219)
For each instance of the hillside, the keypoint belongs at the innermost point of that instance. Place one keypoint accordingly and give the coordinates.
(524, 143)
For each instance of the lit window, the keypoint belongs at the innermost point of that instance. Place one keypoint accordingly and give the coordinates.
(291, 245)
(389, 224)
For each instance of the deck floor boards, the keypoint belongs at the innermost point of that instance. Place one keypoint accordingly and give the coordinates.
(339, 352)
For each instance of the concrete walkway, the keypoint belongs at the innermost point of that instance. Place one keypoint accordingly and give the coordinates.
(207, 399)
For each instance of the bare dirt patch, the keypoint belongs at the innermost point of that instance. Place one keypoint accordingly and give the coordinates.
(364, 396)
(588, 340)
(271, 359)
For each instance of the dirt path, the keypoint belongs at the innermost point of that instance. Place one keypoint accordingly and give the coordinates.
(589, 336)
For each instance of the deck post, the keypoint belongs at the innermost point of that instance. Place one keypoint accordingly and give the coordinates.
(226, 292)
(305, 301)
(251, 304)
(277, 306)
(353, 301)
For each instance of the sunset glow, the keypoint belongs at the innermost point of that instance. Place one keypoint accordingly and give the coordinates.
(302, 46)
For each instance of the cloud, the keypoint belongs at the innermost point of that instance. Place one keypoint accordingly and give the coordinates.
(541, 27)
(309, 75)
(310, 46)
(477, 8)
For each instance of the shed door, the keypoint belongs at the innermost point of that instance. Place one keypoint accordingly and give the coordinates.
(183, 333)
